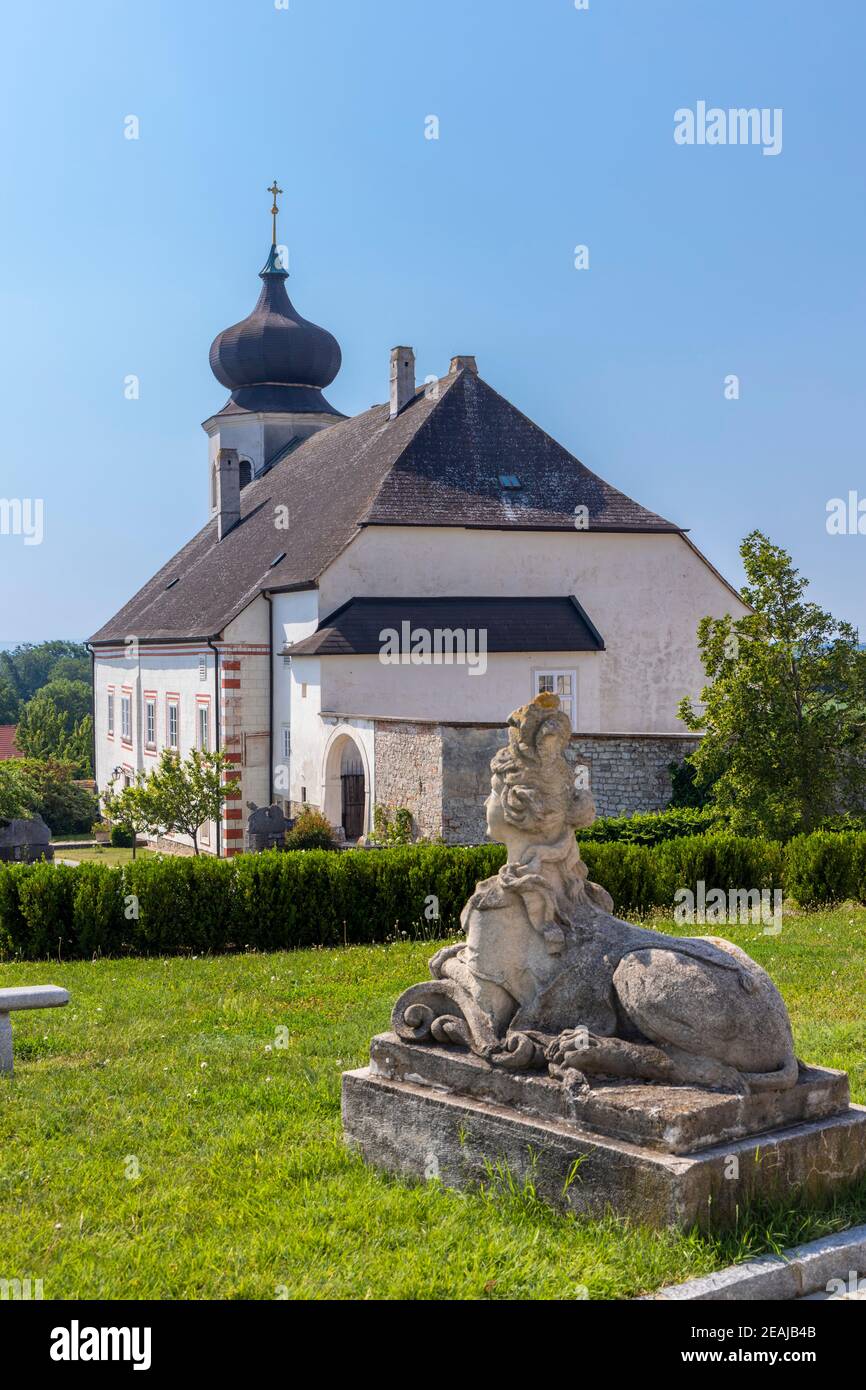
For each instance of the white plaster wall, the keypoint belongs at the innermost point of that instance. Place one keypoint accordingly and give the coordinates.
(362, 685)
(296, 615)
(309, 734)
(250, 625)
(164, 672)
(645, 593)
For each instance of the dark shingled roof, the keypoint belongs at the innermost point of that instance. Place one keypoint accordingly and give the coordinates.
(511, 624)
(438, 463)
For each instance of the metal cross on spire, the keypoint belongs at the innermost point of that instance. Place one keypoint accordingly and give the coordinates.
(274, 210)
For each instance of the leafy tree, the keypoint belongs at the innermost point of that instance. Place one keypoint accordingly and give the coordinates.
(182, 795)
(10, 700)
(130, 807)
(57, 723)
(71, 668)
(30, 786)
(17, 793)
(31, 665)
(687, 790)
(784, 713)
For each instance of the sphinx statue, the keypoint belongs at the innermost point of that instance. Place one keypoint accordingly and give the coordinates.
(548, 978)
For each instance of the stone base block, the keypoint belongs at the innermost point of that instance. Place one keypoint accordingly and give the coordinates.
(673, 1119)
(406, 1125)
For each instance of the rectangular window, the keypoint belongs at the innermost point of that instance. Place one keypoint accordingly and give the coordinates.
(563, 684)
(111, 712)
(126, 717)
(150, 721)
(303, 690)
(285, 742)
(172, 724)
(202, 669)
(203, 727)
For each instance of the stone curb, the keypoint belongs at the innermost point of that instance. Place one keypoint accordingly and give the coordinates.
(804, 1270)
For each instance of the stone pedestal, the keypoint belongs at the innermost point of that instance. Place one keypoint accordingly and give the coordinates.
(663, 1155)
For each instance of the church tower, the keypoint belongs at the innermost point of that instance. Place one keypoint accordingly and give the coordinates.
(275, 364)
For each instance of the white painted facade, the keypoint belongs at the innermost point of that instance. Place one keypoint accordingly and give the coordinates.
(644, 592)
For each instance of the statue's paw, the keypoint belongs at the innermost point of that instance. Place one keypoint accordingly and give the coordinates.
(570, 1077)
(571, 1049)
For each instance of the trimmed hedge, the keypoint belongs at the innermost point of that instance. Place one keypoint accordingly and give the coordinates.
(652, 827)
(267, 902)
(277, 901)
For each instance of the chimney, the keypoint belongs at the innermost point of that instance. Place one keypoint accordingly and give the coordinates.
(464, 364)
(402, 378)
(228, 491)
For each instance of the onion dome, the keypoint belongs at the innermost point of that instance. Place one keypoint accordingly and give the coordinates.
(274, 359)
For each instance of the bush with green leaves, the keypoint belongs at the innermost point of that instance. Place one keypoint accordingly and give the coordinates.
(651, 827)
(271, 901)
(311, 830)
(392, 826)
(31, 786)
(280, 901)
(783, 712)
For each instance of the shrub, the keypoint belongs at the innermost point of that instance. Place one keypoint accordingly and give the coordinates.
(390, 830)
(825, 867)
(311, 830)
(66, 807)
(278, 901)
(651, 827)
(121, 838)
(45, 895)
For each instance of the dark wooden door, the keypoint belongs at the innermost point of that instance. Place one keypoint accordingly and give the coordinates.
(353, 802)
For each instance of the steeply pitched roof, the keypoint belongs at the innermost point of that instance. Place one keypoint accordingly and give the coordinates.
(439, 463)
(509, 625)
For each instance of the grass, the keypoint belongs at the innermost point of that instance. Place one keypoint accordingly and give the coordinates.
(102, 854)
(158, 1140)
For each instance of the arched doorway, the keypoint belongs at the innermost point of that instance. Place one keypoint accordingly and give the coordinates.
(346, 785)
(353, 795)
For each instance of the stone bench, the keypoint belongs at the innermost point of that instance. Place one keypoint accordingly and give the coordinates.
(26, 997)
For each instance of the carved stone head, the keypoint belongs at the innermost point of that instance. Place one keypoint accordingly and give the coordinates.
(533, 796)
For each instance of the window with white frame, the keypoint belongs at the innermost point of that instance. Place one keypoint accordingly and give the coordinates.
(126, 718)
(173, 721)
(203, 726)
(285, 742)
(111, 714)
(150, 721)
(563, 684)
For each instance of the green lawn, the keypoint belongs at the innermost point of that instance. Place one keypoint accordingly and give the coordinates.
(170, 1068)
(100, 854)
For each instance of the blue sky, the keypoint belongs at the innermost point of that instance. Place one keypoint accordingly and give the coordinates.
(123, 257)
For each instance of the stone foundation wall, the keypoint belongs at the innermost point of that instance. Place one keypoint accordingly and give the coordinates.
(441, 773)
(466, 754)
(408, 772)
(628, 773)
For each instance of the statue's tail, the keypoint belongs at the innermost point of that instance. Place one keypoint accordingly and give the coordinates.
(780, 1080)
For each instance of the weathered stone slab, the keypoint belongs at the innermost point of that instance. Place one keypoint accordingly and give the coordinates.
(405, 1127)
(32, 997)
(24, 997)
(672, 1119)
(802, 1272)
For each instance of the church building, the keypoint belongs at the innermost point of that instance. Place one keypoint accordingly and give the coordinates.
(370, 596)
